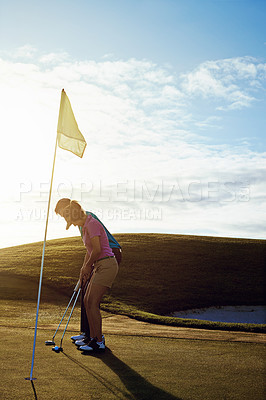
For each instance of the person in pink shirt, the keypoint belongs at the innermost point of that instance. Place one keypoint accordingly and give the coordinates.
(100, 268)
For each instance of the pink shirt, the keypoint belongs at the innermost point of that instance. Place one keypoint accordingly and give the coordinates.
(93, 228)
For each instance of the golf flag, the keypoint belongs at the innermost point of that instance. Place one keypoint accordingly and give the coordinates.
(68, 138)
(68, 134)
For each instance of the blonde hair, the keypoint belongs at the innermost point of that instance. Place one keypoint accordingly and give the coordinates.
(73, 212)
(61, 204)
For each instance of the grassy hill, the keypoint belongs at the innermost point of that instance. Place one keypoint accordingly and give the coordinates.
(159, 274)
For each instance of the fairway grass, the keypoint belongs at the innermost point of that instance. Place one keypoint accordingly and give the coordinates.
(132, 368)
(159, 274)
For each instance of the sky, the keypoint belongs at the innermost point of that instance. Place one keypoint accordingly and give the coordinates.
(170, 97)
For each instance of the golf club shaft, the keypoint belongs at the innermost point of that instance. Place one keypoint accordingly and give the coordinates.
(70, 301)
(78, 292)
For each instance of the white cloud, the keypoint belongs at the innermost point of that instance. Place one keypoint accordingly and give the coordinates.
(24, 52)
(54, 58)
(209, 122)
(231, 80)
(140, 130)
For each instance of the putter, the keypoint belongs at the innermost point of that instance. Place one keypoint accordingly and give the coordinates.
(57, 349)
(52, 342)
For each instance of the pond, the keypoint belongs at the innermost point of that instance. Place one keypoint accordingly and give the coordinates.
(238, 314)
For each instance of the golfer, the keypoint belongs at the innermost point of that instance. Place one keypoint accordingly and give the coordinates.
(98, 271)
(84, 336)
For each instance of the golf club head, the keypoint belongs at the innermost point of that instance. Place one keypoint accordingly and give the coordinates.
(57, 349)
(49, 343)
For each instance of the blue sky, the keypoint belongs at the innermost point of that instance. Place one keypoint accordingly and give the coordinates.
(182, 33)
(170, 96)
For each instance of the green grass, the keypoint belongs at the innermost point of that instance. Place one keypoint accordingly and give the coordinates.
(133, 368)
(159, 274)
(139, 366)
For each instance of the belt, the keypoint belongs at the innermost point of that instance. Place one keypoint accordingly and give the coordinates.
(104, 258)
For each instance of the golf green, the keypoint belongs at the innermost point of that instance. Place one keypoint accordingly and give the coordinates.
(133, 367)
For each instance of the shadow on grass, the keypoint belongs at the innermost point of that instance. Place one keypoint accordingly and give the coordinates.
(138, 387)
(34, 390)
(120, 394)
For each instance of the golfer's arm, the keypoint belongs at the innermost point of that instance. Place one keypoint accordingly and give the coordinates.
(96, 251)
(86, 259)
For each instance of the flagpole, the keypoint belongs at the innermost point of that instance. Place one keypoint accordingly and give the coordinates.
(41, 272)
(66, 128)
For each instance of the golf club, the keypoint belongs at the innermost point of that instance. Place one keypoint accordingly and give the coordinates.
(52, 342)
(56, 348)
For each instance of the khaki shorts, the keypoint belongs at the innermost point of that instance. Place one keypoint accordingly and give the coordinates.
(105, 272)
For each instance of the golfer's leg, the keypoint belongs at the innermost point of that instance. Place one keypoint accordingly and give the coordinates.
(92, 301)
(84, 323)
(118, 255)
